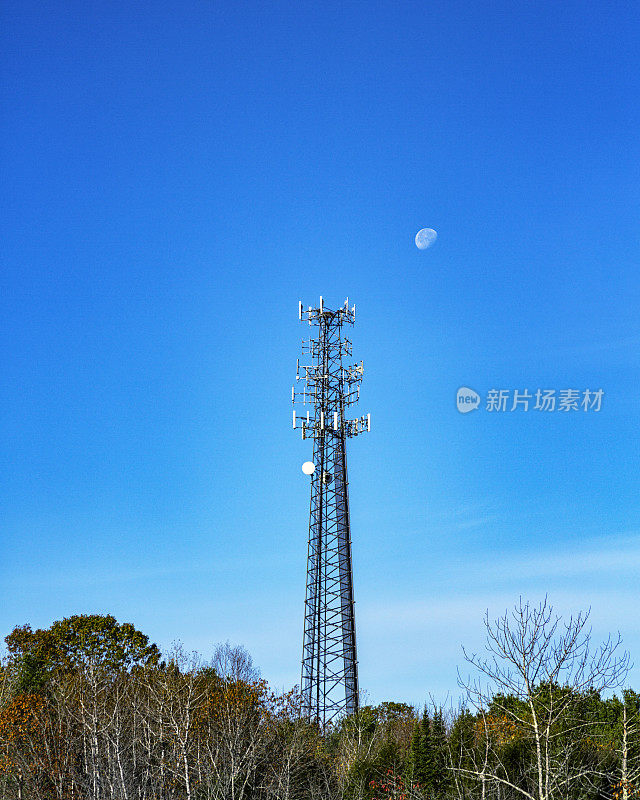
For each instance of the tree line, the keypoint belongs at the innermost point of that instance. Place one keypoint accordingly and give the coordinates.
(91, 710)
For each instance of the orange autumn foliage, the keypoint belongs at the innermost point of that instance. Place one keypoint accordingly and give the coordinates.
(19, 724)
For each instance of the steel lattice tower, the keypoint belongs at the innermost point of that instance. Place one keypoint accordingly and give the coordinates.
(329, 659)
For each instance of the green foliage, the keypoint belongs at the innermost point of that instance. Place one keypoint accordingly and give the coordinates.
(440, 775)
(462, 747)
(79, 641)
(429, 756)
(393, 712)
(421, 757)
(31, 675)
(369, 744)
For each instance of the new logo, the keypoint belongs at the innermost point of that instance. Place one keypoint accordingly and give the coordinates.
(467, 400)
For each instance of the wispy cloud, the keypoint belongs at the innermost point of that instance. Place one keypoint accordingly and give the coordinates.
(613, 558)
(472, 515)
(474, 522)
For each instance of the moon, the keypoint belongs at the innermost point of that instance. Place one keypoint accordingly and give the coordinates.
(425, 237)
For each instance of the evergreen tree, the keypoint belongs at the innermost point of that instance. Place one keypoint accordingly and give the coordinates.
(31, 675)
(462, 744)
(421, 755)
(412, 755)
(441, 778)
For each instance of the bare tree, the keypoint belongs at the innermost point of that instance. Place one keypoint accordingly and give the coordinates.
(629, 752)
(175, 692)
(234, 663)
(533, 690)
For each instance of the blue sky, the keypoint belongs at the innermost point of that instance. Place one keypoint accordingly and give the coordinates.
(177, 176)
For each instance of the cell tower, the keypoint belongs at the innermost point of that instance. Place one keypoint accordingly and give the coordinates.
(329, 660)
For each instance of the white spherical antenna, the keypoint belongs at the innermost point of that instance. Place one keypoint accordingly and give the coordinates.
(308, 467)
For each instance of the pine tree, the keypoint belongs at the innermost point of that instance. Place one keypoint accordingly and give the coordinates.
(414, 753)
(421, 755)
(441, 779)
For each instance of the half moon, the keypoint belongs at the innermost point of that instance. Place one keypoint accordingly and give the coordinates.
(425, 237)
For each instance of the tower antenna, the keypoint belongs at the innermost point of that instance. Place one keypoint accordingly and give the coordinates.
(329, 657)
